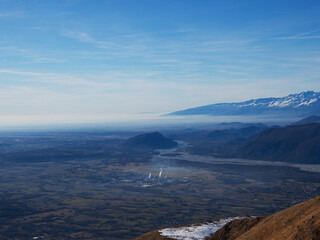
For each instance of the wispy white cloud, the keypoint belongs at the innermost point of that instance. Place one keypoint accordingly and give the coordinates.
(32, 55)
(83, 37)
(185, 53)
(300, 36)
(22, 73)
(86, 38)
(54, 78)
(14, 14)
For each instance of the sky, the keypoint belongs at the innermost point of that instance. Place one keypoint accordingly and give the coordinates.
(64, 61)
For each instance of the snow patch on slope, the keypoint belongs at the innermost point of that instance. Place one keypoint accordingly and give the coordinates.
(295, 100)
(253, 104)
(307, 103)
(196, 232)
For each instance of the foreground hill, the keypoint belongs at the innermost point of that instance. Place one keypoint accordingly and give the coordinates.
(294, 143)
(301, 222)
(301, 104)
(153, 140)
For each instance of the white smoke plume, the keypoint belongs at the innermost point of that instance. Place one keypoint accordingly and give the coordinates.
(160, 173)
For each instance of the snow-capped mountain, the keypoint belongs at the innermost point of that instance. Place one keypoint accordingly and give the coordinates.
(301, 105)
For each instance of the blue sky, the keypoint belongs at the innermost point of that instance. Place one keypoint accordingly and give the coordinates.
(87, 61)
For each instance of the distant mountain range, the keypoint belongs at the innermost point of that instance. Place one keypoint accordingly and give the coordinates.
(296, 105)
(295, 143)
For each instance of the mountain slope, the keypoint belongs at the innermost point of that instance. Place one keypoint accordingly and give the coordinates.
(301, 221)
(294, 143)
(153, 140)
(298, 105)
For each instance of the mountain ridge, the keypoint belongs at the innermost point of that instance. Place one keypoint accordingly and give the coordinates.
(298, 104)
(311, 119)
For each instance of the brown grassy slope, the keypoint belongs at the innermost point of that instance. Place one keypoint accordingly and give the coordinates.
(299, 222)
(234, 229)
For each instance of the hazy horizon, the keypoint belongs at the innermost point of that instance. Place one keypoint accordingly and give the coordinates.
(139, 124)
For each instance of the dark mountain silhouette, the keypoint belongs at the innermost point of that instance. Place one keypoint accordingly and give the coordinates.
(294, 143)
(311, 119)
(231, 134)
(224, 132)
(153, 140)
(222, 142)
(294, 105)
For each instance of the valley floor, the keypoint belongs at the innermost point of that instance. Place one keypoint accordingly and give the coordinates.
(92, 190)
